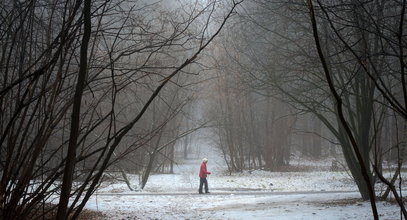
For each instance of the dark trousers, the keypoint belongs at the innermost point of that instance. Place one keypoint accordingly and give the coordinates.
(201, 182)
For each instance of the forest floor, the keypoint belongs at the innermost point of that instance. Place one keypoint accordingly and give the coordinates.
(303, 193)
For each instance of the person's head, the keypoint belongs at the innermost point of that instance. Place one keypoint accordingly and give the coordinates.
(205, 160)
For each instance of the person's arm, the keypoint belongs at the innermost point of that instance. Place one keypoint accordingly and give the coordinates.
(207, 170)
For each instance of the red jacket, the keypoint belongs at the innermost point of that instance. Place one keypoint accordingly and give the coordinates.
(203, 173)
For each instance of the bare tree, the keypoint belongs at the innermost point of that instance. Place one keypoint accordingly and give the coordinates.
(344, 123)
(374, 72)
(56, 53)
(280, 62)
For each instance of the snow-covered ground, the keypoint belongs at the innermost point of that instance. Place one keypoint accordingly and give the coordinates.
(235, 206)
(248, 195)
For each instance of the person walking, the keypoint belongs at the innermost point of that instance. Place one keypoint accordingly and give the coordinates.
(203, 173)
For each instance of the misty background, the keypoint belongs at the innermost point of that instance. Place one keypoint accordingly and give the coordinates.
(95, 90)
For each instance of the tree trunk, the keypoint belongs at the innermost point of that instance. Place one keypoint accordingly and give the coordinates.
(343, 123)
(75, 123)
(316, 139)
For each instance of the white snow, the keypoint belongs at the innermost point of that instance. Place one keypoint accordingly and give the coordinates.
(234, 206)
(248, 195)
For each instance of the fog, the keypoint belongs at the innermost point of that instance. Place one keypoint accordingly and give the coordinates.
(99, 91)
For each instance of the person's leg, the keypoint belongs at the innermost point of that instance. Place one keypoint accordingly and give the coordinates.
(206, 186)
(201, 182)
